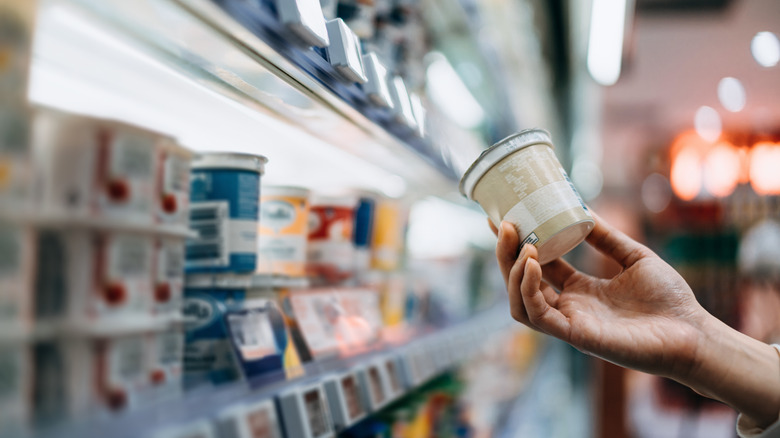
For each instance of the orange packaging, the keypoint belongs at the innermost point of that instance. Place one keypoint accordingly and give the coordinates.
(283, 230)
(387, 240)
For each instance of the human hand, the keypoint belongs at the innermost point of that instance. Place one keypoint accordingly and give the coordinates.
(646, 317)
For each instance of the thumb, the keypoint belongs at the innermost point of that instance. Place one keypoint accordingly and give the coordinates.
(615, 244)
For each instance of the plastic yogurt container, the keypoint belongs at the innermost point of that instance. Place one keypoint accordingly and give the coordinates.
(224, 211)
(331, 223)
(520, 180)
(283, 231)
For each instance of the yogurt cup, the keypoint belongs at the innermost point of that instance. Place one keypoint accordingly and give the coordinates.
(331, 251)
(520, 180)
(283, 231)
(224, 211)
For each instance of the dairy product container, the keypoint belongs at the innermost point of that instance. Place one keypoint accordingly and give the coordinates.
(224, 210)
(283, 231)
(331, 253)
(520, 180)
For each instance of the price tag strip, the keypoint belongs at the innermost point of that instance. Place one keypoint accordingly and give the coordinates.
(253, 420)
(306, 413)
(346, 405)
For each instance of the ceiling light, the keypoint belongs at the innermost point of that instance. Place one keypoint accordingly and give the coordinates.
(605, 42)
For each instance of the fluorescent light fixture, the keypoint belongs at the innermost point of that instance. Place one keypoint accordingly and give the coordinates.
(605, 43)
(448, 92)
(707, 123)
(766, 49)
(731, 94)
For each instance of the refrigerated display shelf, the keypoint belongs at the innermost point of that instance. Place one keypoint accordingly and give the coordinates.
(55, 220)
(260, 18)
(115, 326)
(250, 281)
(207, 45)
(427, 355)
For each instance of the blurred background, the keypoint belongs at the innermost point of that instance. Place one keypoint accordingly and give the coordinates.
(241, 218)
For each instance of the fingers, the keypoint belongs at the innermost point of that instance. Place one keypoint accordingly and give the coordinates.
(541, 314)
(531, 301)
(558, 272)
(506, 248)
(616, 245)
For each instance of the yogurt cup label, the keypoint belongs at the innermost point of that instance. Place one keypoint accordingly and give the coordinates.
(282, 233)
(224, 213)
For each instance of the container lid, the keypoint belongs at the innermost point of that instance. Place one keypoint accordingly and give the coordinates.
(492, 155)
(284, 191)
(345, 201)
(230, 160)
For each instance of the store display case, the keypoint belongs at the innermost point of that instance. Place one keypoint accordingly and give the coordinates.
(116, 330)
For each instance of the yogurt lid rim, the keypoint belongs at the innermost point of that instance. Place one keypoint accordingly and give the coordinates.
(230, 160)
(492, 155)
(273, 189)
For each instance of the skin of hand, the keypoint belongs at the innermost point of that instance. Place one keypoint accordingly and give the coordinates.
(646, 318)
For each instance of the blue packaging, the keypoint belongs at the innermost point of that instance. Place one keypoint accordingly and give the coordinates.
(364, 222)
(208, 353)
(224, 212)
(363, 233)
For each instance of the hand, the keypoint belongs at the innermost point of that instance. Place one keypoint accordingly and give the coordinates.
(646, 317)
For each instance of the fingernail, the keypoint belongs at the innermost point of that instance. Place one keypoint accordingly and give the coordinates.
(500, 230)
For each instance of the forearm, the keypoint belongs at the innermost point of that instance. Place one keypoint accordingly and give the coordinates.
(738, 370)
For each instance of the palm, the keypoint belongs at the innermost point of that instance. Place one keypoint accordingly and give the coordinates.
(641, 318)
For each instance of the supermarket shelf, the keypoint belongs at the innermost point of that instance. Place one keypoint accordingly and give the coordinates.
(115, 326)
(64, 220)
(427, 355)
(237, 281)
(204, 44)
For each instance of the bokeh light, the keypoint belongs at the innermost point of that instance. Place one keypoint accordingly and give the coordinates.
(707, 123)
(686, 174)
(765, 168)
(731, 94)
(766, 49)
(721, 170)
(656, 192)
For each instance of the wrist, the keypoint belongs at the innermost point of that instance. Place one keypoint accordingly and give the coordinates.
(735, 369)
